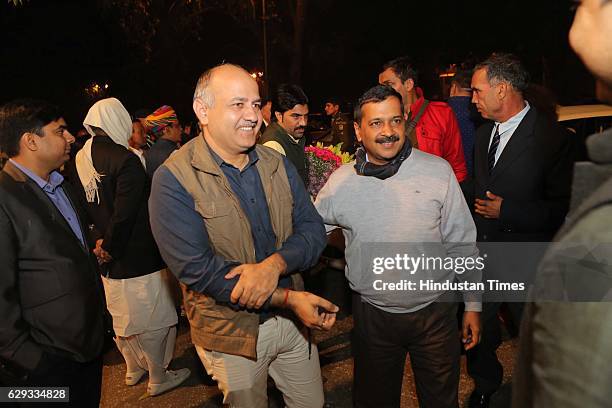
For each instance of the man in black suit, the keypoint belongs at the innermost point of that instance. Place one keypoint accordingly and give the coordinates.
(522, 180)
(51, 300)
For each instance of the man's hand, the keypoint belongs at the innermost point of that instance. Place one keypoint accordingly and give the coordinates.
(470, 334)
(489, 208)
(314, 311)
(257, 281)
(102, 255)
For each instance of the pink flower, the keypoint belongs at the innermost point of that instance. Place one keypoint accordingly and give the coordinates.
(322, 163)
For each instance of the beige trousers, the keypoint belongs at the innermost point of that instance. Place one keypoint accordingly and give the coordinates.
(282, 352)
(151, 351)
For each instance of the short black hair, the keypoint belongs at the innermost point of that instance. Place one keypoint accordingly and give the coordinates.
(375, 94)
(503, 67)
(24, 116)
(142, 113)
(286, 97)
(463, 78)
(403, 68)
(333, 100)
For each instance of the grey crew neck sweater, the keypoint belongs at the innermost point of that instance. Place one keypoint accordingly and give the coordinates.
(418, 211)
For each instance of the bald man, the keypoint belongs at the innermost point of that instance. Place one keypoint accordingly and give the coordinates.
(234, 223)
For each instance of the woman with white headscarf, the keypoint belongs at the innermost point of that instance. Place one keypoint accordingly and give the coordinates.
(116, 189)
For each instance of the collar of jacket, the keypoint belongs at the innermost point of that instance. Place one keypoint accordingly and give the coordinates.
(420, 99)
(14, 172)
(279, 129)
(203, 160)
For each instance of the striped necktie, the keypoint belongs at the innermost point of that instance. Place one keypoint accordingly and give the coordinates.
(493, 149)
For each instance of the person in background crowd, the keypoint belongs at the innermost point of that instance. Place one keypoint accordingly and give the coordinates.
(140, 115)
(138, 140)
(289, 120)
(116, 188)
(437, 131)
(421, 323)
(166, 128)
(79, 140)
(234, 223)
(460, 101)
(266, 113)
(522, 177)
(341, 126)
(566, 348)
(52, 305)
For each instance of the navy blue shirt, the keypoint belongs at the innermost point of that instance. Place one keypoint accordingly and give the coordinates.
(462, 105)
(183, 241)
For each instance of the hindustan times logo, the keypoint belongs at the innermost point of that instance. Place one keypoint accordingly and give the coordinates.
(413, 264)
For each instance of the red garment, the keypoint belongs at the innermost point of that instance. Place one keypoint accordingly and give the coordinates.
(438, 133)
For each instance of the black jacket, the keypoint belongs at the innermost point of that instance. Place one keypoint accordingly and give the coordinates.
(533, 176)
(122, 217)
(51, 299)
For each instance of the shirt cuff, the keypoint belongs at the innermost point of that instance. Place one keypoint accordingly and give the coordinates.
(292, 256)
(473, 306)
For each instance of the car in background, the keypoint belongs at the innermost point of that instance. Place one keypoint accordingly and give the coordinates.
(583, 121)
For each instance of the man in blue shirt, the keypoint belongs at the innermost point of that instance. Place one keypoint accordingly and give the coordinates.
(460, 101)
(52, 306)
(233, 222)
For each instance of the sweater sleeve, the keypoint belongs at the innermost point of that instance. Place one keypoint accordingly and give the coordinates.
(459, 237)
(325, 207)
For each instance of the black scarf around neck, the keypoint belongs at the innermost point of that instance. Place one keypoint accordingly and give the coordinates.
(384, 171)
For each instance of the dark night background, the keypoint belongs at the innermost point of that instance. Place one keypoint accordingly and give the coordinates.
(151, 52)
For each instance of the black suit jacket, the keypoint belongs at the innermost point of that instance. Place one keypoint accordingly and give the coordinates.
(532, 175)
(51, 299)
(122, 217)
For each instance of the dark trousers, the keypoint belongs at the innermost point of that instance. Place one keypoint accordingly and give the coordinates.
(83, 379)
(380, 343)
(482, 363)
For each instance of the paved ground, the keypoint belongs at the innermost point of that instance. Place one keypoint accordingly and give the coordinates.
(334, 349)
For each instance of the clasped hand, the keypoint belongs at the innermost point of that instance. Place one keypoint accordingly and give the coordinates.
(102, 255)
(257, 281)
(489, 208)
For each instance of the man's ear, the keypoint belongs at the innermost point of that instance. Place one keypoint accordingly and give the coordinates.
(502, 90)
(279, 116)
(28, 141)
(357, 131)
(409, 84)
(201, 111)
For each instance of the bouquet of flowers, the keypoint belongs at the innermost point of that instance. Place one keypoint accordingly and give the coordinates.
(322, 162)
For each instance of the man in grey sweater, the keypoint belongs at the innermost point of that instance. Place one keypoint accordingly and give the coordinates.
(400, 208)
